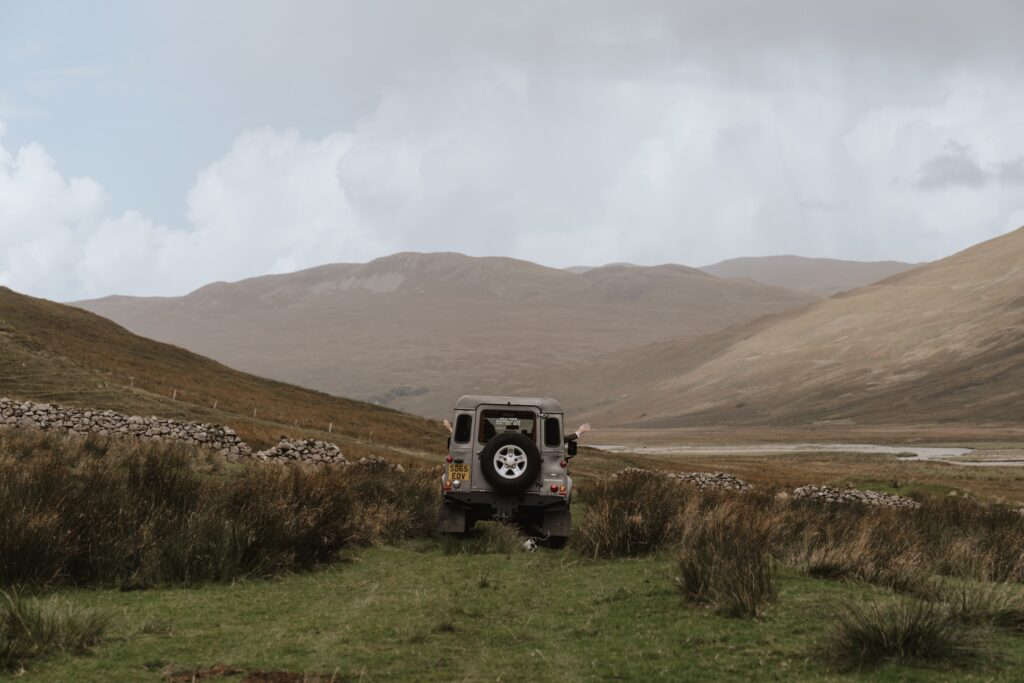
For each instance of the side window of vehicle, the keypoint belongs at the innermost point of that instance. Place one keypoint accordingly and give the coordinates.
(463, 428)
(552, 432)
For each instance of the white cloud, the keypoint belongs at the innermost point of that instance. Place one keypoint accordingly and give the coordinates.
(273, 203)
(681, 169)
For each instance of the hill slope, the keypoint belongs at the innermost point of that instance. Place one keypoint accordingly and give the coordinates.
(941, 342)
(821, 277)
(416, 331)
(61, 354)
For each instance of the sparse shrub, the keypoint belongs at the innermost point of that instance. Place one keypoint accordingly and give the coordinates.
(486, 538)
(640, 511)
(393, 504)
(134, 514)
(851, 542)
(31, 629)
(724, 562)
(867, 633)
(633, 513)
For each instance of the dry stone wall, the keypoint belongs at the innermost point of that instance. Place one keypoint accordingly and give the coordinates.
(722, 481)
(705, 481)
(712, 481)
(830, 494)
(48, 417)
(309, 450)
(224, 440)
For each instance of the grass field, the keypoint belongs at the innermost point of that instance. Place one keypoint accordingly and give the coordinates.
(415, 613)
(379, 598)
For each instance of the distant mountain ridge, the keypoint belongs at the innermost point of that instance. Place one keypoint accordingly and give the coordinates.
(818, 276)
(421, 329)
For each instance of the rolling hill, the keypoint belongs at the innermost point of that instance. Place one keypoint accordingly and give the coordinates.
(943, 342)
(57, 353)
(821, 277)
(415, 331)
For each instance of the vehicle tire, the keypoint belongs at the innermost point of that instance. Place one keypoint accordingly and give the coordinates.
(510, 462)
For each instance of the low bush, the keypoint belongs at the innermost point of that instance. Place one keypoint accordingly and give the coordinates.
(129, 513)
(633, 513)
(31, 629)
(865, 634)
(724, 562)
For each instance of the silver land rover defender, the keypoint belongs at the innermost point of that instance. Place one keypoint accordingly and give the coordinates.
(507, 460)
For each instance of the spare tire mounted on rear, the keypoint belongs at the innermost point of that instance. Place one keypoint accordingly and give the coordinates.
(510, 462)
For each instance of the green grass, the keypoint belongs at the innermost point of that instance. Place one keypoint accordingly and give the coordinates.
(415, 613)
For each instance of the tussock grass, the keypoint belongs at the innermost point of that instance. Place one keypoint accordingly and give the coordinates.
(866, 634)
(31, 629)
(135, 514)
(634, 513)
(724, 563)
(640, 512)
(998, 605)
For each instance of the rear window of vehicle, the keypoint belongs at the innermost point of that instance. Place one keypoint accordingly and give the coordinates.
(552, 432)
(493, 422)
(463, 428)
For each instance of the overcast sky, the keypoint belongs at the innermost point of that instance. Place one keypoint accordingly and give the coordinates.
(150, 148)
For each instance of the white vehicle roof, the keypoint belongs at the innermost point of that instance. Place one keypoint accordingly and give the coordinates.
(545, 405)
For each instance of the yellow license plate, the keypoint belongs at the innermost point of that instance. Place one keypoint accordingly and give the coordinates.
(458, 471)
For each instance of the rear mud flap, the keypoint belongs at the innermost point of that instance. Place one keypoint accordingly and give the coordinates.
(451, 519)
(557, 523)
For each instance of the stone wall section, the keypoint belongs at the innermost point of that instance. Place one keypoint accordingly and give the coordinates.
(49, 417)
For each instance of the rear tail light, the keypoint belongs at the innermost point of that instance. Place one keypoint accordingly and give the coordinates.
(563, 464)
(448, 459)
(561, 489)
(447, 486)
(554, 488)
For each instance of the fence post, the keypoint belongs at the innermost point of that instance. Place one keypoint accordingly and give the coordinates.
(174, 396)
(254, 413)
(330, 428)
(215, 405)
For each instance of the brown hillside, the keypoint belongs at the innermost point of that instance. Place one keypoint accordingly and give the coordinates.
(61, 354)
(415, 331)
(941, 342)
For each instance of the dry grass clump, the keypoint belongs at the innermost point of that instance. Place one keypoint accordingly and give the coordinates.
(724, 562)
(638, 512)
(633, 513)
(32, 628)
(850, 542)
(999, 605)
(128, 513)
(866, 634)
